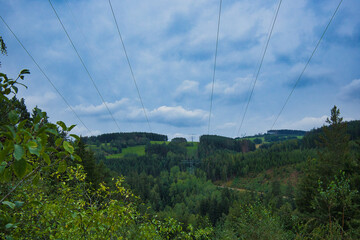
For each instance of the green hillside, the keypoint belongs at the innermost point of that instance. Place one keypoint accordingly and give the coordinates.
(136, 150)
(140, 150)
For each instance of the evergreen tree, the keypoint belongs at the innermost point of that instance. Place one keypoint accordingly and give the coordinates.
(13, 104)
(2, 47)
(320, 190)
(334, 147)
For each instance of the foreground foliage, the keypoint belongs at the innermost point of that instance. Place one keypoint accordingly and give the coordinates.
(44, 192)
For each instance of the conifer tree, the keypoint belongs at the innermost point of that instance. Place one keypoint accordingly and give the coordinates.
(334, 147)
(320, 190)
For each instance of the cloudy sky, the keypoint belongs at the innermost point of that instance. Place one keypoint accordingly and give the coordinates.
(171, 47)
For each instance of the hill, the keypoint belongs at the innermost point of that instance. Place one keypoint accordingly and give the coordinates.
(276, 136)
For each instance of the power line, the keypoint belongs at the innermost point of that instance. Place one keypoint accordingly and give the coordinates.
(261, 62)
(80, 30)
(307, 63)
(131, 70)
(42, 71)
(77, 25)
(82, 62)
(213, 80)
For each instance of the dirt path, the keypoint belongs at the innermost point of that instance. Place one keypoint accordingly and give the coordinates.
(240, 189)
(246, 190)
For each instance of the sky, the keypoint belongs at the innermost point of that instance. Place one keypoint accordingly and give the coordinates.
(171, 48)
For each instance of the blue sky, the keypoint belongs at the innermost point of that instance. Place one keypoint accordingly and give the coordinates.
(171, 46)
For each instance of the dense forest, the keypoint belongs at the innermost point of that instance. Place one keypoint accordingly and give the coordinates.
(57, 185)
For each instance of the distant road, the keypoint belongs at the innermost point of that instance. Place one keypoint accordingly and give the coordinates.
(245, 190)
(240, 189)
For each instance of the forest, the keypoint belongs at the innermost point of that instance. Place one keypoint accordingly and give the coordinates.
(57, 185)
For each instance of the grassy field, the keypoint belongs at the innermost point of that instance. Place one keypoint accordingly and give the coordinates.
(263, 138)
(138, 150)
(159, 142)
(253, 138)
(192, 150)
(93, 147)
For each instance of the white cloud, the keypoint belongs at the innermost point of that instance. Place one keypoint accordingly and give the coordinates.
(178, 116)
(97, 109)
(189, 137)
(227, 125)
(351, 91)
(174, 116)
(233, 89)
(187, 86)
(82, 131)
(37, 100)
(307, 123)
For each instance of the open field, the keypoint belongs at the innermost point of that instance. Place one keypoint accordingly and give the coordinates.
(138, 150)
(159, 142)
(192, 150)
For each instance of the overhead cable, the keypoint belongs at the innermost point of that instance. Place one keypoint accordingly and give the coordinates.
(260, 65)
(46, 76)
(86, 69)
(131, 70)
(307, 63)
(214, 71)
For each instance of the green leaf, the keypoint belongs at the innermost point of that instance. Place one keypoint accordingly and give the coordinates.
(50, 149)
(36, 179)
(18, 151)
(4, 153)
(51, 125)
(41, 130)
(10, 204)
(11, 129)
(36, 126)
(25, 71)
(77, 157)
(62, 154)
(7, 175)
(18, 204)
(71, 127)
(9, 225)
(68, 147)
(32, 144)
(19, 168)
(15, 89)
(13, 117)
(34, 148)
(35, 151)
(2, 167)
(26, 132)
(52, 131)
(46, 158)
(62, 166)
(37, 117)
(75, 136)
(58, 141)
(22, 124)
(62, 125)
